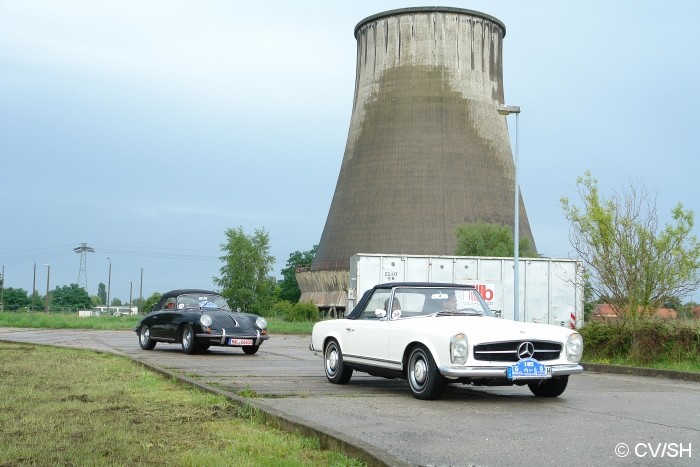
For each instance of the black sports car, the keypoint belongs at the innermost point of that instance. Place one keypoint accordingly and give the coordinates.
(198, 319)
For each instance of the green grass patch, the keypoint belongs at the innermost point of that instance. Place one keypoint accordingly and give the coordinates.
(662, 365)
(113, 323)
(74, 407)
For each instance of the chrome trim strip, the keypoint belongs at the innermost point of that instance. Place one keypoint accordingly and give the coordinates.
(500, 371)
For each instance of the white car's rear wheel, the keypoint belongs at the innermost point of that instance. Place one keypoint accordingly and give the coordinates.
(336, 371)
(424, 379)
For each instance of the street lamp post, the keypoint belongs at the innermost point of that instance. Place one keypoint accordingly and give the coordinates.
(507, 110)
(130, 289)
(48, 275)
(109, 281)
(33, 288)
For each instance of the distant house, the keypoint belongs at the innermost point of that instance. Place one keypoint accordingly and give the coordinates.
(696, 312)
(606, 311)
(603, 312)
(666, 313)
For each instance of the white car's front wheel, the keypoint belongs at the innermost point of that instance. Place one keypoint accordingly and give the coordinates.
(424, 379)
(336, 371)
(549, 387)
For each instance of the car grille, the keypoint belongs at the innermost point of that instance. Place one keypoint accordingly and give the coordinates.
(508, 351)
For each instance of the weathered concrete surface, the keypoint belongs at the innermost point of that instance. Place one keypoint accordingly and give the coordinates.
(469, 426)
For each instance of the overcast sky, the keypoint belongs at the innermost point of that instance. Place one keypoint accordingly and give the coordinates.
(146, 128)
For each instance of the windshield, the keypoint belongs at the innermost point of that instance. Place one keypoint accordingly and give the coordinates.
(202, 301)
(406, 302)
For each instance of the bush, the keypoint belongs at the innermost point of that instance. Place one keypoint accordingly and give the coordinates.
(304, 311)
(643, 342)
(297, 312)
(282, 309)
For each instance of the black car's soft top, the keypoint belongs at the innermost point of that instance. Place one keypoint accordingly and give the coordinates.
(390, 285)
(177, 292)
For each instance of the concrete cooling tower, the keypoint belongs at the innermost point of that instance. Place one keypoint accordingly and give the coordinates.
(427, 149)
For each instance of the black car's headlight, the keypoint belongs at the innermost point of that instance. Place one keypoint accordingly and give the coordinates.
(205, 320)
(459, 349)
(261, 323)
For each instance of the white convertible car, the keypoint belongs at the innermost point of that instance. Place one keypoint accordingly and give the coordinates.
(434, 334)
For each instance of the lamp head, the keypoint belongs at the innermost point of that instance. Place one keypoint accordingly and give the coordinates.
(508, 109)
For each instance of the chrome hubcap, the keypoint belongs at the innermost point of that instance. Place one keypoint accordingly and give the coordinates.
(419, 371)
(332, 361)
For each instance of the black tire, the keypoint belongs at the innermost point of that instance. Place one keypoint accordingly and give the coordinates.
(424, 379)
(145, 340)
(250, 349)
(549, 387)
(336, 371)
(189, 340)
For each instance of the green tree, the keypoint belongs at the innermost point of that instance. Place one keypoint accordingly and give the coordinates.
(116, 301)
(38, 301)
(150, 301)
(245, 276)
(288, 286)
(14, 299)
(629, 260)
(484, 239)
(70, 296)
(102, 293)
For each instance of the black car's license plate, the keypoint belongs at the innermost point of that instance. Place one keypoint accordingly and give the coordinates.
(233, 341)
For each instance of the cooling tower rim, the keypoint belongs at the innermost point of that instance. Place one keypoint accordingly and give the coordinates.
(429, 9)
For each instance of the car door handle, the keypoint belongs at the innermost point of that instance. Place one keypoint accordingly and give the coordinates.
(349, 329)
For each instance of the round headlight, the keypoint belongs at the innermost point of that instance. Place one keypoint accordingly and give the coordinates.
(459, 349)
(261, 322)
(205, 320)
(574, 347)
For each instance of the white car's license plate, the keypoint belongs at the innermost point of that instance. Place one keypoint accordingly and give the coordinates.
(240, 342)
(529, 368)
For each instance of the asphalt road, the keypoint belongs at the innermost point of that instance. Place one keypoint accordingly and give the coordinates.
(601, 419)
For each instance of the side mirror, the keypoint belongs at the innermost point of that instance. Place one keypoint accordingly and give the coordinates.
(497, 313)
(380, 313)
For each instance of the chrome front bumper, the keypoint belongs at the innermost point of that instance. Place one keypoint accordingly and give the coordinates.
(221, 337)
(500, 371)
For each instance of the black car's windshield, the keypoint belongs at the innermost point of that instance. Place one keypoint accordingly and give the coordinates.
(203, 301)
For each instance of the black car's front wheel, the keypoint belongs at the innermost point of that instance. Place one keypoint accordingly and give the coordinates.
(189, 341)
(250, 349)
(336, 371)
(424, 379)
(145, 340)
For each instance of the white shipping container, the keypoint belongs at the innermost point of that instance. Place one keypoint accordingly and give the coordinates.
(550, 290)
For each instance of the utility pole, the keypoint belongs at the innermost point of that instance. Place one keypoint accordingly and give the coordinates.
(83, 249)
